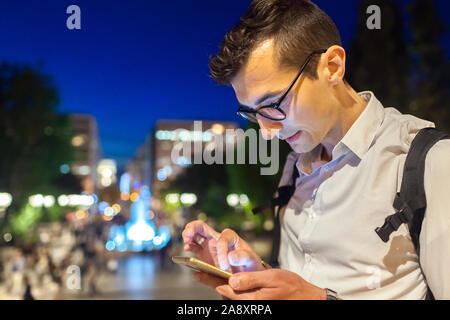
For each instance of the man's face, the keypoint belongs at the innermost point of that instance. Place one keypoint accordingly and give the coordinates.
(309, 113)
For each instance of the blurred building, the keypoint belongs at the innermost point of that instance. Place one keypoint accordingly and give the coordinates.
(140, 167)
(153, 164)
(87, 150)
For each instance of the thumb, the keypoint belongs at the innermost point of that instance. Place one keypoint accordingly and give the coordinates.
(243, 258)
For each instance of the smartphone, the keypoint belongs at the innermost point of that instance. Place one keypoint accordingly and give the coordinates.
(199, 265)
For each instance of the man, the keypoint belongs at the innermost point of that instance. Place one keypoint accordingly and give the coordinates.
(285, 62)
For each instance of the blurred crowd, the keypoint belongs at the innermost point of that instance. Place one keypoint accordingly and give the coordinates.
(64, 262)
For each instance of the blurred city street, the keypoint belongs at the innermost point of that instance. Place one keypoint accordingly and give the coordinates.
(140, 277)
(74, 264)
(137, 276)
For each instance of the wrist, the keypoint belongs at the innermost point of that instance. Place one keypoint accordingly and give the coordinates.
(323, 294)
(313, 293)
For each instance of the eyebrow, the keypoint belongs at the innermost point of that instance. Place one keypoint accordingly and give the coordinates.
(264, 98)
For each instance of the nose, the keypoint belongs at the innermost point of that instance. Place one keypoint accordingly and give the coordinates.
(269, 128)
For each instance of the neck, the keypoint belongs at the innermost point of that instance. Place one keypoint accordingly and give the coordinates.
(349, 105)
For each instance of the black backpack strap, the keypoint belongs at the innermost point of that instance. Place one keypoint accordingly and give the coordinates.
(410, 202)
(414, 182)
(283, 195)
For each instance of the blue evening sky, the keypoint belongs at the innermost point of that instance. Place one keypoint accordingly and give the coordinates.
(137, 61)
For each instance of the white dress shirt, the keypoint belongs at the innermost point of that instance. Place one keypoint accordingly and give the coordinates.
(328, 227)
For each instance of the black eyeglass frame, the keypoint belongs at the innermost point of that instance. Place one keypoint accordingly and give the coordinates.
(247, 113)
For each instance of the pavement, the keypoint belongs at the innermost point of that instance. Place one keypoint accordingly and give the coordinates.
(140, 277)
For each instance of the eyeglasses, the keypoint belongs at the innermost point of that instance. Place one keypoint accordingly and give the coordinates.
(273, 111)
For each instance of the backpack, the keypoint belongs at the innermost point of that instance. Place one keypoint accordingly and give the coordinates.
(410, 202)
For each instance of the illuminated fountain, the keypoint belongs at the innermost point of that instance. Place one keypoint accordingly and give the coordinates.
(139, 233)
(140, 229)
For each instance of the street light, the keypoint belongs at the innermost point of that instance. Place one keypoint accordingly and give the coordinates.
(7, 237)
(81, 200)
(49, 201)
(172, 198)
(5, 200)
(63, 200)
(243, 199)
(233, 200)
(188, 198)
(36, 200)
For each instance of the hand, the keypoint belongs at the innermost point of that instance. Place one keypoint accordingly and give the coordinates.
(206, 251)
(210, 281)
(272, 284)
(234, 252)
(225, 250)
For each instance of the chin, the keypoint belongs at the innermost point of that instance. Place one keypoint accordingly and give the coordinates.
(304, 144)
(301, 148)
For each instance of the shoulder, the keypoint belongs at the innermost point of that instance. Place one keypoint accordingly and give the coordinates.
(435, 235)
(438, 157)
(437, 170)
(398, 130)
(437, 179)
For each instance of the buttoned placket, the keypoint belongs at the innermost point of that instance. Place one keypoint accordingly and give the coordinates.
(312, 219)
(305, 235)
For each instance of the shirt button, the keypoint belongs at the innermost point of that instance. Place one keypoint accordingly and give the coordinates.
(307, 258)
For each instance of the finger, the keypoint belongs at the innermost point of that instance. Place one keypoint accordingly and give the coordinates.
(228, 292)
(192, 229)
(227, 240)
(243, 258)
(192, 247)
(252, 280)
(208, 279)
(198, 228)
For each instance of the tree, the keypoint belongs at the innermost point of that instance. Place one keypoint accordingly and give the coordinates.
(34, 138)
(431, 76)
(381, 60)
(378, 59)
(247, 178)
(209, 183)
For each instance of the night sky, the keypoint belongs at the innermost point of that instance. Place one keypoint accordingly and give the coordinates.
(134, 62)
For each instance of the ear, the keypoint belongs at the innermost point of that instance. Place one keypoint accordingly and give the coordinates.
(334, 70)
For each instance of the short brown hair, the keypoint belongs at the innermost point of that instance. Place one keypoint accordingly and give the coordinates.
(298, 27)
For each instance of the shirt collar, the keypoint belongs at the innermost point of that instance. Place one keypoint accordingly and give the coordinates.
(358, 138)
